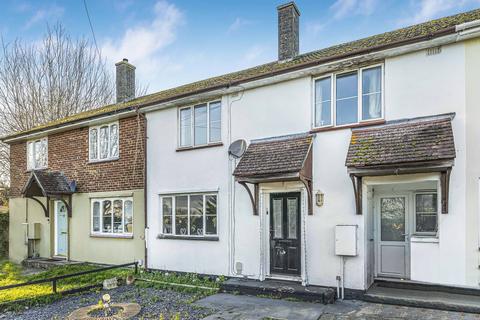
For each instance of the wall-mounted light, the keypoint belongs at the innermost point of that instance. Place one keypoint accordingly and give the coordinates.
(319, 198)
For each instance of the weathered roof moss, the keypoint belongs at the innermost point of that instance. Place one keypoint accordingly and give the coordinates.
(416, 33)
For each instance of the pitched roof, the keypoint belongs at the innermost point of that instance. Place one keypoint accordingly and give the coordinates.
(274, 156)
(420, 32)
(50, 183)
(402, 142)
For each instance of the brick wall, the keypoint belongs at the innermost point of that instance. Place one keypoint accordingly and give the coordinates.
(68, 152)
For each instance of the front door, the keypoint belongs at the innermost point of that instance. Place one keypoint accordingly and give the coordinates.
(285, 233)
(392, 237)
(61, 229)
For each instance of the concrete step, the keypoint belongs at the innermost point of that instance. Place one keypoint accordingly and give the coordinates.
(431, 299)
(279, 289)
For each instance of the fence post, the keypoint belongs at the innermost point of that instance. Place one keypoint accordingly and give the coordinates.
(54, 285)
(136, 267)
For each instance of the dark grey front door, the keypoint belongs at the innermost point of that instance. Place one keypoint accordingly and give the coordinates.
(285, 233)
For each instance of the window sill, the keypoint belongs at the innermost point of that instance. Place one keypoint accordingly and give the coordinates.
(424, 239)
(349, 126)
(197, 238)
(210, 145)
(117, 236)
(103, 160)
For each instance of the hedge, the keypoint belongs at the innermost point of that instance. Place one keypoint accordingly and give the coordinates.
(3, 235)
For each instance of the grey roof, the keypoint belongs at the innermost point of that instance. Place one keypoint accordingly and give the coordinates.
(50, 182)
(396, 38)
(274, 156)
(402, 142)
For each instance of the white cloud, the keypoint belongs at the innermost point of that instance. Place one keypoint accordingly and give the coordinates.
(344, 8)
(238, 23)
(44, 14)
(253, 54)
(425, 10)
(143, 44)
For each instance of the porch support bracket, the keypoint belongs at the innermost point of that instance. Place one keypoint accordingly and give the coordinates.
(357, 189)
(67, 204)
(253, 197)
(445, 185)
(308, 185)
(45, 210)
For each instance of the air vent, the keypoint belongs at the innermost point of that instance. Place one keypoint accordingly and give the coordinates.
(434, 51)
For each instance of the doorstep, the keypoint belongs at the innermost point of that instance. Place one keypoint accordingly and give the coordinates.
(421, 295)
(46, 263)
(279, 289)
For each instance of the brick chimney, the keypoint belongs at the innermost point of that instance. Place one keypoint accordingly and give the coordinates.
(288, 17)
(125, 81)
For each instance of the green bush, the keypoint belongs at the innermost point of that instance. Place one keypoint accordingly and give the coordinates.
(3, 235)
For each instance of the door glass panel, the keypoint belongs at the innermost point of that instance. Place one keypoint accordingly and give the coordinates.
(292, 211)
(277, 218)
(392, 213)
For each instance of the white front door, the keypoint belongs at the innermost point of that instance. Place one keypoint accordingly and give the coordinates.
(61, 229)
(392, 254)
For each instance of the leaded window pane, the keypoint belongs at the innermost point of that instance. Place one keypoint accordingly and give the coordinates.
(93, 144)
(104, 138)
(200, 124)
(372, 93)
(185, 127)
(211, 214)
(181, 215)
(96, 217)
(347, 99)
(323, 102)
(117, 216)
(114, 140)
(215, 121)
(167, 211)
(107, 216)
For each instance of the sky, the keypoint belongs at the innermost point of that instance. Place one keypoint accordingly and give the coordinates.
(173, 42)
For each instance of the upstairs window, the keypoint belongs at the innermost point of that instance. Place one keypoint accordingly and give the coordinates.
(103, 142)
(200, 124)
(349, 98)
(112, 216)
(37, 154)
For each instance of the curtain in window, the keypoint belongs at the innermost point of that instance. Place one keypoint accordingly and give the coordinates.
(93, 144)
(113, 141)
(96, 217)
(210, 214)
(104, 137)
(128, 218)
(31, 158)
(372, 93)
(167, 212)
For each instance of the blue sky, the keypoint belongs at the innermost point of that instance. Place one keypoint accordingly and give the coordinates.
(173, 42)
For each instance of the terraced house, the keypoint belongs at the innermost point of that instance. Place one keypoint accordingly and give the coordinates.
(341, 166)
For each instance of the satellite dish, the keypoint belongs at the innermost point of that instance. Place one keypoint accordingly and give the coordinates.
(237, 148)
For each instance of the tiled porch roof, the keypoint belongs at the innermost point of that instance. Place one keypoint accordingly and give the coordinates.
(50, 183)
(401, 142)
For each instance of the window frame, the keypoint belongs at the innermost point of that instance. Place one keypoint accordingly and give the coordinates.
(101, 233)
(97, 127)
(424, 233)
(31, 166)
(192, 125)
(173, 234)
(333, 101)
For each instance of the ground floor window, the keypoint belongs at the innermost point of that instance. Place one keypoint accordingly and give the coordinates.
(189, 214)
(426, 213)
(112, 216)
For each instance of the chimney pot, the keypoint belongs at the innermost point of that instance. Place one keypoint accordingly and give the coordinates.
(288, 31)
(125, 81)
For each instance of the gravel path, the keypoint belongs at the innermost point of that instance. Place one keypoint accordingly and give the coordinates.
(154, 302)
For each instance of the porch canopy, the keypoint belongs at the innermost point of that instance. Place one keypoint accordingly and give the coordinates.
(416, 145)
(284, 158)
(49, 184)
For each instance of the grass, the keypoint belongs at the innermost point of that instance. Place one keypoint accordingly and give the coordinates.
(42, 293)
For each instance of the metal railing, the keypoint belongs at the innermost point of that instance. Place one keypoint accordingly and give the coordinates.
(53, 280)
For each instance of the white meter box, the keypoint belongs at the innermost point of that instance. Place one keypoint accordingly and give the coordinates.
(346, 240)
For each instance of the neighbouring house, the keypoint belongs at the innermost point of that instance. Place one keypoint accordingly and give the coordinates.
(347, 164)
(77, 185)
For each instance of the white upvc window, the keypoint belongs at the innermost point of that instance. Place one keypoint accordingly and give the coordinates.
(349, 98)
(189, 214)
(37, 154)
(426, 213)
(200, 124)
(103, 142)
(112, 216)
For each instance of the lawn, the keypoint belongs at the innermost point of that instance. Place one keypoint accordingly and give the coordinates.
(42, 293)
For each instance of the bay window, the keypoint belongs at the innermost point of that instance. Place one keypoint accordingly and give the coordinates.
(349, 98)
(37, 154)
(103, 142)
(112, 216)
(200, 125)
(189, 214)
